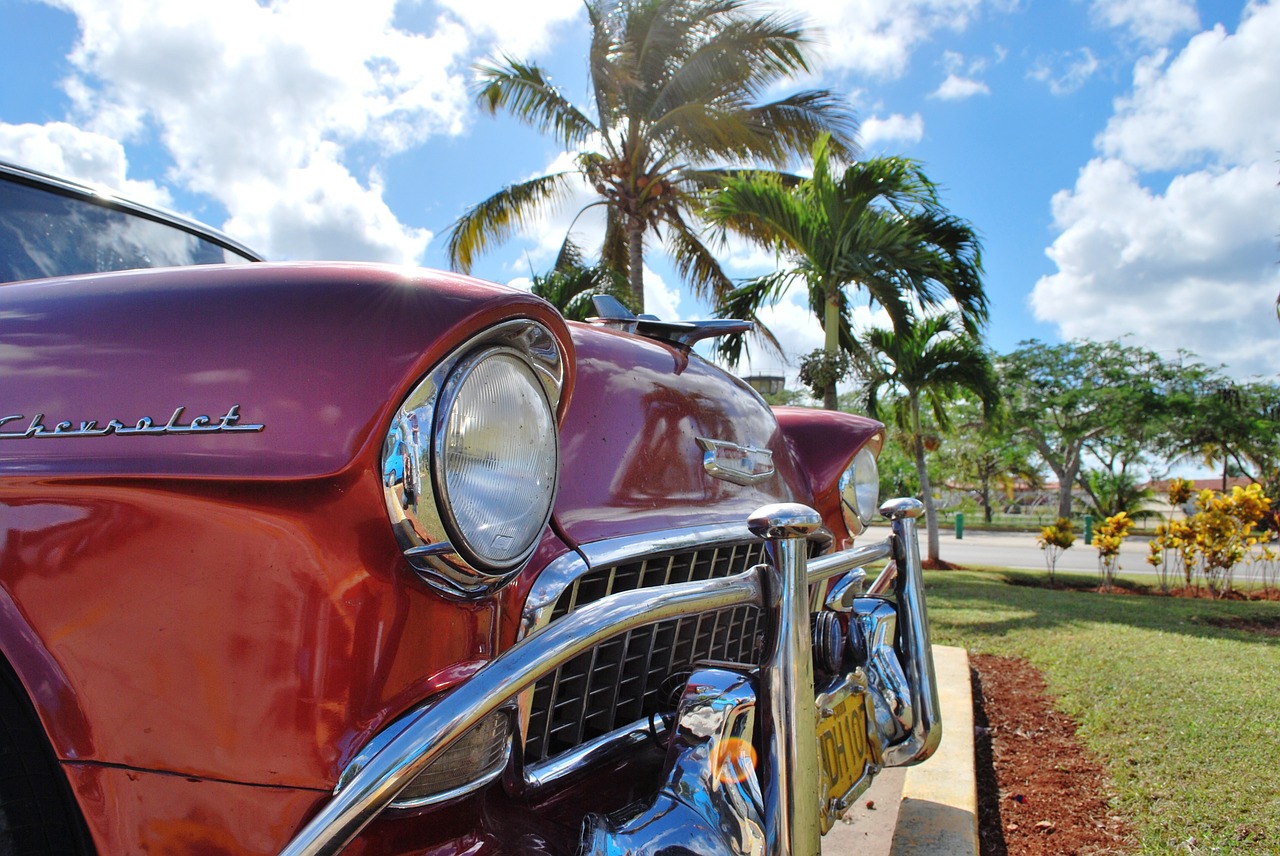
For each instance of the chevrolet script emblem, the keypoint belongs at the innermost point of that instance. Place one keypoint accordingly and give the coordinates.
(734, 463)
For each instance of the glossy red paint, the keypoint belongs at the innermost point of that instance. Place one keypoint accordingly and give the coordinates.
(631, 459)
(212, 625)
(319, 354)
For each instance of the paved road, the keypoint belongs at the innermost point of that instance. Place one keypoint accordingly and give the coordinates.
(1019, 550)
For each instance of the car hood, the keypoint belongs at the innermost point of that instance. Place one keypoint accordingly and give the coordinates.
(632, 462)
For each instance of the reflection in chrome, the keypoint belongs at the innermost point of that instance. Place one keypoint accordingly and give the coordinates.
(784, 716)
(413, 500)
(744, 465)
(710, 800)
(875, 623)
(787, 721)
(228, 423)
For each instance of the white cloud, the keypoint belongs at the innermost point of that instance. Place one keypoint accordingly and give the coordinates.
(1216, 99)
(1153, 22)
(1189, 261)
(67, 151)
(956, 88)
(1067, 73)
(520, 28)
(281, 111)
(1193, 267)
(895, 128)
(877, 37)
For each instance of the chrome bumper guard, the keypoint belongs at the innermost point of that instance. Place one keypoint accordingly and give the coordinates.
(766, 808)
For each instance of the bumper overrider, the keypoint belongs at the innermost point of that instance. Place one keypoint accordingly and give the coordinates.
(759, 759)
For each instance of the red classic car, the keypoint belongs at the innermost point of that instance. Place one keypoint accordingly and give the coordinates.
(316, 558)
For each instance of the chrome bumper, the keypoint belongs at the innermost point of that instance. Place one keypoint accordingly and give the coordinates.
(774, 811)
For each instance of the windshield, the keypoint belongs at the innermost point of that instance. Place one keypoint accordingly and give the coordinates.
(45, 233)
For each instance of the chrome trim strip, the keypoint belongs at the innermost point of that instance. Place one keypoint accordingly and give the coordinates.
(614, 551)
(427, 733)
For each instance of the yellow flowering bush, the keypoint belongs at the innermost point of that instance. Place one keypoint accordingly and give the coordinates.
(1107, 538)
(1053, 540)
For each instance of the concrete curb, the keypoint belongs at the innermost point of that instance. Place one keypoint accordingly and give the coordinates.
(938, 815)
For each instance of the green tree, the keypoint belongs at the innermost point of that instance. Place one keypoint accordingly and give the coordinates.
(1235, 424)
(673, 85)
(1083, 396)
(983, 450)
(875, 226)
(929, 362)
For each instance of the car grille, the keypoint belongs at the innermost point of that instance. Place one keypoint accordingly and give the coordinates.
(642, 673)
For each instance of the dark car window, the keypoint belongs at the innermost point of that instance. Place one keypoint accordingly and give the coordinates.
(44, 233)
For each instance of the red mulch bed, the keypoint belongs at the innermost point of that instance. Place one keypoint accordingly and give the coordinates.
(1039, 790)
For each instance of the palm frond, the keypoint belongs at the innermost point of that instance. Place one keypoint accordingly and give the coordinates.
(494, 219)
(523, 90)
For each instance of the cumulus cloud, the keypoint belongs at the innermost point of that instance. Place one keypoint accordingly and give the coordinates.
(1152, 22)
(1216, 100)
(877, 37)
(957, 88)
(281, 111)
(1193, 267)
(64, 150)
(895, 128)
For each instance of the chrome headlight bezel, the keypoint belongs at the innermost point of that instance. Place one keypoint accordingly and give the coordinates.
(860, 491)
(428, 532)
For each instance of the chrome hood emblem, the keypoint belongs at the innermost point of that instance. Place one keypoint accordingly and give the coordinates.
(733, 463)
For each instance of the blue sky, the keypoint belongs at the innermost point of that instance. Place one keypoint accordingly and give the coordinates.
(1119, 157)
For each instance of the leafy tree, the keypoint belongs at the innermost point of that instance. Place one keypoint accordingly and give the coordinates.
(983, 450)
(929, 362)
(673, 85)
(1233, 423)
(1083, 395)
(875, 226)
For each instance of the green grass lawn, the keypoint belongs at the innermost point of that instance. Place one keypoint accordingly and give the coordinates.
(1185, 711)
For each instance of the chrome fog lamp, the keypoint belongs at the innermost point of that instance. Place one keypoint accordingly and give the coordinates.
(471, 463)
(860, 491)
(476, 759)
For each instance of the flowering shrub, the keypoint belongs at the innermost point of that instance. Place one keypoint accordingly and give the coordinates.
(1107, 538)
(1053, 540)
(1223, 533)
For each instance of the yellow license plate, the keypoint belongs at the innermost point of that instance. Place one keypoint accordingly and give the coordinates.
(842, 755)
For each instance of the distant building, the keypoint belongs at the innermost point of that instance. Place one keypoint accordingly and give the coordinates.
(766, 384)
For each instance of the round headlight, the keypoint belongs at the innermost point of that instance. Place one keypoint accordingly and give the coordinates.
(860, 491)
(471, 460)
(496, 458)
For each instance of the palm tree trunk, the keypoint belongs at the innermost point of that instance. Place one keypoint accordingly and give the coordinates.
(934, 548)
(635, 263)
(831, 345)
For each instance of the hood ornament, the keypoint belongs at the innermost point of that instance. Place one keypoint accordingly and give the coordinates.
(743, 465)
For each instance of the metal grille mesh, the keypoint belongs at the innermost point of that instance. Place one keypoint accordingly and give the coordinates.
(641, 673)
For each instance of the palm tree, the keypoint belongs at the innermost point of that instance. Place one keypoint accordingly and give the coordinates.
(877, 226)
(673, 86)
(931, 360)
(572, 284)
